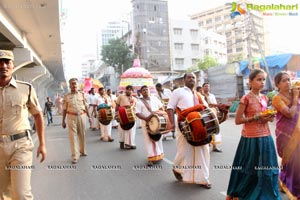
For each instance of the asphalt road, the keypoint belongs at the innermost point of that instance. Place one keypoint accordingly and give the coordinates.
(113, 174)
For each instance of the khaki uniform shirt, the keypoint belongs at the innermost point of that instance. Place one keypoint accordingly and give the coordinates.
(75, 102)
(13, 108)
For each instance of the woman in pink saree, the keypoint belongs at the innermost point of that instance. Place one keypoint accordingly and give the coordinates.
(287, 104)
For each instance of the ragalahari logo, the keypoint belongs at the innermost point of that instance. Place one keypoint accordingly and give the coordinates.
(236, 10)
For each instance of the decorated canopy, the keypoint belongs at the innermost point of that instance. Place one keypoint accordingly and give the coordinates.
(90, 83)
(136, 76)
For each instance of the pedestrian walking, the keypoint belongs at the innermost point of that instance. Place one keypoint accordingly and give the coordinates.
(48, 110)
(255, 171)
(287, 104)
(191, 164)
(104, 102)
(211, 100)
(146, 106)
(17, 100)
(76, 108)
(125, 109)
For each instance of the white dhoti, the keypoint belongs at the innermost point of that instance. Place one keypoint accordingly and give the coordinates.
(94, 123)
(216, 139)
(154, 150)
(105, 131)
(192, 162)
(127, 136)
(114, 122)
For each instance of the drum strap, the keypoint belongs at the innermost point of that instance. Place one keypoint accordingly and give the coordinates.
(146, 104)
(183, 113)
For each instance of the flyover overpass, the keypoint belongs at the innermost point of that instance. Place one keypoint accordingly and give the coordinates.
(31, 29)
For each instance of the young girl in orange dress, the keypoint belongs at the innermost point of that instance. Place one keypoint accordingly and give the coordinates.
(255, 171)
(287, 104)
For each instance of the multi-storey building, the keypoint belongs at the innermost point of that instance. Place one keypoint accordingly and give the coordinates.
(244, 33)
(151, 33)
(189, 43)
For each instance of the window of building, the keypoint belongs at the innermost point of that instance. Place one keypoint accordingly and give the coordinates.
(238, 40)
(195, 47)
(194, 32)
(206, 40)
(154, 8)
(239, 49)
(200, 23)
(208, 21)
(179, 61)
(229, 50)
(178, 46)
(218, 19)
(177, 31)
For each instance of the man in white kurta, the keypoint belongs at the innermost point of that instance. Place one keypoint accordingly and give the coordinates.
(154, 149)
(164, 94)
(105, 129)
(211, 99)
(92, 99)
(191, 163)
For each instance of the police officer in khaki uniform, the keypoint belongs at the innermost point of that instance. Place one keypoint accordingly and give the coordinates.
(16, 100)
(76, 107)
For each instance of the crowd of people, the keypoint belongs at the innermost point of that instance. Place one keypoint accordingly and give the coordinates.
(190, 114)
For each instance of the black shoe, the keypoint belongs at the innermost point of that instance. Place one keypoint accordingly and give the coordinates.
(127, 146)
(177, 175)
(122, 145)
(217, 150)
(110, 140)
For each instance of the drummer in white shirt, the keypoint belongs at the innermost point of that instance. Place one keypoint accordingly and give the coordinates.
(191, 164)
(146, 106)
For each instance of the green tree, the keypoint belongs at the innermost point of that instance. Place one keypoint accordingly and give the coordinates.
(207, 62)
(117, 54)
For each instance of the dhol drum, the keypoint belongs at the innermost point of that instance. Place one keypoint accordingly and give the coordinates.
(221, 111)
(105, 114)
(126, 117)
(198, 127)
(157, 125)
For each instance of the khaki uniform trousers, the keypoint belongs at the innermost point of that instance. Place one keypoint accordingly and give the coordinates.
(76, 131)
(15, 169)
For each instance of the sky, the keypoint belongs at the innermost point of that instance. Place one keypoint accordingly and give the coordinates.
(85, 17)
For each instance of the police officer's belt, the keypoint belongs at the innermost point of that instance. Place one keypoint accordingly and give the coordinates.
(75, 113)
(14, 137)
